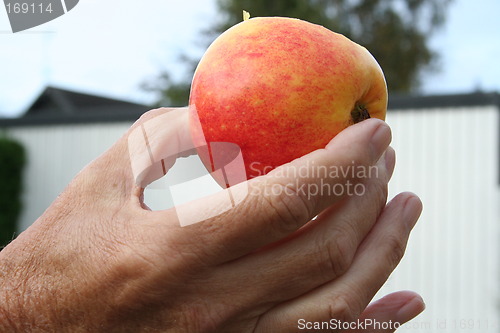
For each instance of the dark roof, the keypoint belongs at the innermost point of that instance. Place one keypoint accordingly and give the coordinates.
(405, 102)
(56, 106)
(61, 106)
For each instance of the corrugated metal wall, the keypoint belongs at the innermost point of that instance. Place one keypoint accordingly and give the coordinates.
(56, 153)
(447, 156)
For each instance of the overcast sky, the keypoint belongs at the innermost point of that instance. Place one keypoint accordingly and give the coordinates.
(110, 47)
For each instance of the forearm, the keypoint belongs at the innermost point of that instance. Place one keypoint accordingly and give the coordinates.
(12, 318)
(28, 295)
(42, 291)
(7, 317)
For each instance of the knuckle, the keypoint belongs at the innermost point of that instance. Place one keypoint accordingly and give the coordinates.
(289, 209)
(396, 245)
(342, 309)
(148, 115)
(356, 161)
(376, 195)
(380, 188)
(339, 254)
(381, 193)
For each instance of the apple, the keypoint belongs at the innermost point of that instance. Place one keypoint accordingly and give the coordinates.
(279, 88)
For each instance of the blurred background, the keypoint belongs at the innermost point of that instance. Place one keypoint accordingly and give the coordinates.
(71, 87)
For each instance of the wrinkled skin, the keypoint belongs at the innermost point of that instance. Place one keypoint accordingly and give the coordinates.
(98, 260)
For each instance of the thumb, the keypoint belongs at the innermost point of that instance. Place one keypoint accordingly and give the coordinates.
(155, 141)
(142, 155)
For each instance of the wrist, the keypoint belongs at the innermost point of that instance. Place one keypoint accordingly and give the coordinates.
(10, 301)
(20, 310)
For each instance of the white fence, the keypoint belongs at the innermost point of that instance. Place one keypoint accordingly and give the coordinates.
(448, 156)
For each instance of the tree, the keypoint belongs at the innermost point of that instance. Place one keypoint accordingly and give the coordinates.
(396, 32)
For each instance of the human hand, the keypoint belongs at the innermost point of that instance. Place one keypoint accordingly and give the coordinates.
(99, 260)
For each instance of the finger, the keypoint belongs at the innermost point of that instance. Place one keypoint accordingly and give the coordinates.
(322, 251)
(390, 312)
(156, 140)
(345, 298)
(268, 208)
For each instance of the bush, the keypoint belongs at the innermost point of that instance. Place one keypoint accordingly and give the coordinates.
(12, 159)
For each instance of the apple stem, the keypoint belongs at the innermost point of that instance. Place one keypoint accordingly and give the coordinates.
(359, 113)
(246, 15)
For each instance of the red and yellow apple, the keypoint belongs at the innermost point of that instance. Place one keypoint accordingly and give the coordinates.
(280, 88)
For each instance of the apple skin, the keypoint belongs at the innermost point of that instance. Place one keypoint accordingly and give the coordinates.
(280, 88)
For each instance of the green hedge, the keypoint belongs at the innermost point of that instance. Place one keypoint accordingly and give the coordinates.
(12, 159)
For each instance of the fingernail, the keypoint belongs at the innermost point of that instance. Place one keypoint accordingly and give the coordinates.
(412, 210)
(380, 140)
(410, 309)
(390, 160)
